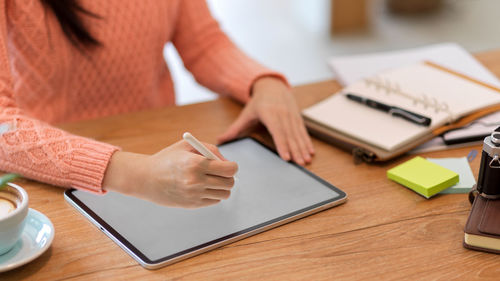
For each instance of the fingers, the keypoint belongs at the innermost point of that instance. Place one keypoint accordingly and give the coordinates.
(290, 136)
(279, 138)
(226, 169)
(216, 194)
(276, 108)
(301, 140)
(212, 191)
(214, 150)
(215, 182)
(206, 190)
(244, 121)
(305, 136)
(205, 202)
(298, 139)
(198, 163)
(294, 143)
(298, 136)
(178, 176)
(186, 146)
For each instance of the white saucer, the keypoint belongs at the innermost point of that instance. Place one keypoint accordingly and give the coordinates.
(36, 238)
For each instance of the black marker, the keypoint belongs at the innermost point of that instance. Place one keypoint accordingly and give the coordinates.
(393, 110)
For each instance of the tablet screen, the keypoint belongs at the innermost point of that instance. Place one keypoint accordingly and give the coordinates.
(267, 189)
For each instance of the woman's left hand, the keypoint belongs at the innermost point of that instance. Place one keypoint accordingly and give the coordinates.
(274, 106)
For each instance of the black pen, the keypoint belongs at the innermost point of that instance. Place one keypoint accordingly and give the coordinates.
(393, 110)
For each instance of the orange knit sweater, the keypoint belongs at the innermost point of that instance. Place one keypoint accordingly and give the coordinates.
(44, 79)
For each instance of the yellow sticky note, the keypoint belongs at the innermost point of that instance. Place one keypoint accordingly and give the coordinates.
(423, 176)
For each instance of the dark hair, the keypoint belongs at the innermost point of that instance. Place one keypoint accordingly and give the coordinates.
(68, 13)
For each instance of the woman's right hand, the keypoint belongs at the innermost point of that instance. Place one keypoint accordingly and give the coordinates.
(177, 176)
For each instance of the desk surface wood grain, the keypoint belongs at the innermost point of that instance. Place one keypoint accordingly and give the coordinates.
(384, 231)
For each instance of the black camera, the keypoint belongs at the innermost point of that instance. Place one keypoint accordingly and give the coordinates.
(488, 182)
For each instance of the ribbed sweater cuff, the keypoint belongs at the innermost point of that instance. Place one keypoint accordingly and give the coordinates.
(89, 164)
(246, 88)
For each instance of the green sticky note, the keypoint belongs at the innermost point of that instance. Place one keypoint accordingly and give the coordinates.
(423, 176)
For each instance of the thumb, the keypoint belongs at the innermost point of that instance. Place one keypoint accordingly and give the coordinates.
(240, 125)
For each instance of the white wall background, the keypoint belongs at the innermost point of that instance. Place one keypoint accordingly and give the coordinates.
(292, 36)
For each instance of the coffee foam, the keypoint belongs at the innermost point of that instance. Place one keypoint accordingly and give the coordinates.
(6, 206)
(8, 202)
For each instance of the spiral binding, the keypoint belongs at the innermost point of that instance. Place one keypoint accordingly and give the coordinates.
(392, 88)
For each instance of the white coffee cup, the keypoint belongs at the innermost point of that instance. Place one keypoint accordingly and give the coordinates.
(12, 217)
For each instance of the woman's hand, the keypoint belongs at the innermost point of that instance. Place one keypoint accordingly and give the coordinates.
(176, 176)
(274, 106)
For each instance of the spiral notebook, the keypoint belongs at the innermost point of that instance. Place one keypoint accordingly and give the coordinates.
(450, 99)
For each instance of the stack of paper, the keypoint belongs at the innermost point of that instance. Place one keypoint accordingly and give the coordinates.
(349, 69)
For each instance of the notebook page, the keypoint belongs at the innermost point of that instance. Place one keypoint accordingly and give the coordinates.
(420, 88)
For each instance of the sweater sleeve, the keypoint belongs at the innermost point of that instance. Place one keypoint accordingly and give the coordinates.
(210, 55)
(38, 151)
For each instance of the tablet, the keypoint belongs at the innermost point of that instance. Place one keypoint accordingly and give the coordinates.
(268, 192)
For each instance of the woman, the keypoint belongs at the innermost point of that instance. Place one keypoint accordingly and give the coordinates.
(70, 60)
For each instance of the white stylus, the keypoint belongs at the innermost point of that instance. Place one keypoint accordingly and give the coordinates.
(196, 144)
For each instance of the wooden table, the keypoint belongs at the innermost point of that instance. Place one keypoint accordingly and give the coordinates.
(384, 231)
